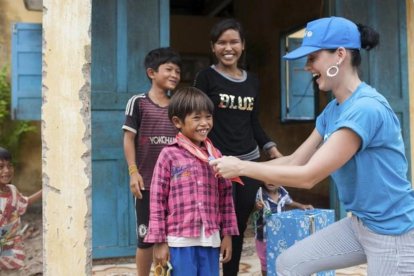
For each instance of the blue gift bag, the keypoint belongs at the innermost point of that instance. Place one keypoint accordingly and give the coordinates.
(286, 228)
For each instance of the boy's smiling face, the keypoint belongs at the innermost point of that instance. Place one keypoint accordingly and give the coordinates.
(166, 77)
(196, 126)
(6, 172)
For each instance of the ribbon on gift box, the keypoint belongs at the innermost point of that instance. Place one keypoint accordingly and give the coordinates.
(318, 219)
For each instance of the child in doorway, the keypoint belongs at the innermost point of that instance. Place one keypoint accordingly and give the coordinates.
(270, 199)
(192, 215)
(147, 130)
(12, 206)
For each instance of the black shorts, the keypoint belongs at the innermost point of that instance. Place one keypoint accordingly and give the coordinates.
(142, 218)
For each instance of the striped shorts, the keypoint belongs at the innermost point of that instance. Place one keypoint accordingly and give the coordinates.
(346, 243)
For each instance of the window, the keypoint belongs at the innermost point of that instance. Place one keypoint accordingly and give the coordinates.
(298, 96)
(26, 71)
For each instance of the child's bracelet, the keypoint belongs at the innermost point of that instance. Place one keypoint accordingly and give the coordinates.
(132, 169)
(131, 172)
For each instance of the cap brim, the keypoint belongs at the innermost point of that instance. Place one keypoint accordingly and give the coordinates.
(301, 52)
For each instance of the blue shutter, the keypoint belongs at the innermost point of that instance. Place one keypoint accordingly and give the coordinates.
(26, 71)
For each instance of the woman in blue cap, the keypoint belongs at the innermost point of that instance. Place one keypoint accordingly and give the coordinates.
(357, 140)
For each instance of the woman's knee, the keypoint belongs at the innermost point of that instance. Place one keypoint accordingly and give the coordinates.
(284, 264)
(290, 264)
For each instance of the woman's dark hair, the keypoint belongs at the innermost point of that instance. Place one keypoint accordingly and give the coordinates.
(188, 100)
(5, 154)
(224, 25)
(369, 40)
(369, 37)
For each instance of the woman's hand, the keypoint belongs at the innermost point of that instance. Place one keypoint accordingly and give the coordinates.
(226, 166)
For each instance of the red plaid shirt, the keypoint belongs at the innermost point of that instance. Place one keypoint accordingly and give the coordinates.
(185, 194)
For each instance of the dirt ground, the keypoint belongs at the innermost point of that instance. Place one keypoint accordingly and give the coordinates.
(33, 246)
(34, 253)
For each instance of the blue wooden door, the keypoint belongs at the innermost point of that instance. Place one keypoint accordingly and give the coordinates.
(122, 33)
(385, 67)
(26, 73)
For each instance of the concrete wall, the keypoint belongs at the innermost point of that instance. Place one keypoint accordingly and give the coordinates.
(66, 138)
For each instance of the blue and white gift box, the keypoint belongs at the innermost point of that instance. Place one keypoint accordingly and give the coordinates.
(286, 228)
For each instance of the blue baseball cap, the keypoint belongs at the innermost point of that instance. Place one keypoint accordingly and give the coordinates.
(327, 33)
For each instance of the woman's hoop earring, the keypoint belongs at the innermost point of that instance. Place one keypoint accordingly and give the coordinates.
(335, 68)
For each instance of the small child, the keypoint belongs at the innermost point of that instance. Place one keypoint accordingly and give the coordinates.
(270, 199)
(147, 130)
(12, 206)
(192, 215)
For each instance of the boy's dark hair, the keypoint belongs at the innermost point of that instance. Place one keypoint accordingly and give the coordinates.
(160, 56)
(188, 100)
(5, 154)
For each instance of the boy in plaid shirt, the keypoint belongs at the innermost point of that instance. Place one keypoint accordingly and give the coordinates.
(192, 215)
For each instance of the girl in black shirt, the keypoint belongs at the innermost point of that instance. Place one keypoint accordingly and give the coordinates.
(237, 130)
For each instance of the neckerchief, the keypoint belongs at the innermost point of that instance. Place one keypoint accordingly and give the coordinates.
(195, 150)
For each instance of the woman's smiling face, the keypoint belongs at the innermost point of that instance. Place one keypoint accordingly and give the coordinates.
(228, 48)
(318, 64)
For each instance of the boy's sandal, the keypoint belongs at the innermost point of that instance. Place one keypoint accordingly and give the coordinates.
(160, 270)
